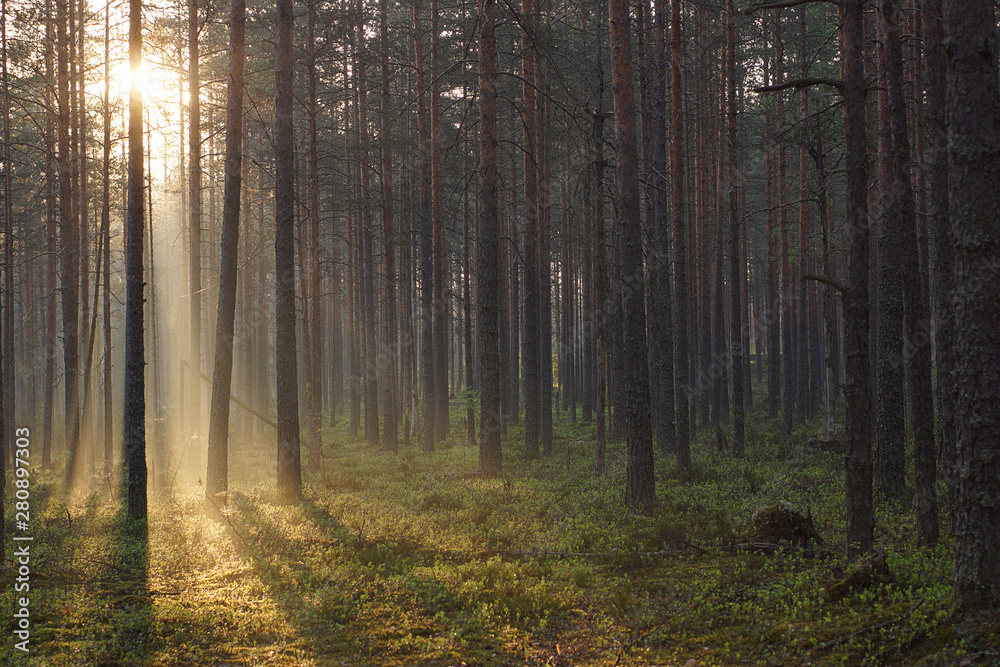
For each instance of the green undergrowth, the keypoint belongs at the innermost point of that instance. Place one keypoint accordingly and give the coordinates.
(415, 559)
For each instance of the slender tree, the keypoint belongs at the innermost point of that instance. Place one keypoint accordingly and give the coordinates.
(490, 452)
(735, 259)
(387, 354)
(194, 219)
(682, 358)
(217, 477)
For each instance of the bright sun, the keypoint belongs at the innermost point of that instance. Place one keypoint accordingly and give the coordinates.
(148, 82)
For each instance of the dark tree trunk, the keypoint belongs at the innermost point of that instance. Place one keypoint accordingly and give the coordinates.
(532, 324)
(788, 352)
(857, 431)
(439, 304)
(771, 313)
(490, 453)
(69, 234)
(973, 112)
(682, 359)
(917, 348)
(662, 329)
(289, 463)
(217, 477)
(134, 405)
(936, 171)
(312, 297)
(640, 487)
(735, 258)
(889, 411)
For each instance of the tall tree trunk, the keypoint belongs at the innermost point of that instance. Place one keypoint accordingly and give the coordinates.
(134, 406)
(771, 311)
(7, 370)
(936, 170)
(439, 305)
(194, 222)
(532, 323)
(217, 477)
(83, 222)
(682, 358)
(490, 453)
(889, 411)
(857, 431)
(788, 352)
(106, 236)
(69, 234)
(367, 275)
(640, 486)
(51, 177)
(387, 355)
(735, 257)
(802, 304)
(917, 350)
(428, 374)
(544, 261)
(662, 329)
(289, 463)
(973, 113)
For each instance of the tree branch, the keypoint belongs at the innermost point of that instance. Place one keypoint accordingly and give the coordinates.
(801, 83)
(827, 281)
(782, 4)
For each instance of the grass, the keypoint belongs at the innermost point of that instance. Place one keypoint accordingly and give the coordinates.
(414, 559)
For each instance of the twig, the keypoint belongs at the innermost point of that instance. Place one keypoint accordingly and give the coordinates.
(870, 628)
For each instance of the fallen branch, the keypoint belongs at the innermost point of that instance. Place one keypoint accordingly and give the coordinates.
(870, 628)
(766, 547)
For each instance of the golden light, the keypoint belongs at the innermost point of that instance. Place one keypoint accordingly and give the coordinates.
(147, 82)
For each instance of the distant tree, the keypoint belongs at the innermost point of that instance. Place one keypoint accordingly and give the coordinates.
(973, 113)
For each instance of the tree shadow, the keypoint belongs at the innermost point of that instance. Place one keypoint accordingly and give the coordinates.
(132, 637)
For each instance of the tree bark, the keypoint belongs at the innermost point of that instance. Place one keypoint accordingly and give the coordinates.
(973, 113)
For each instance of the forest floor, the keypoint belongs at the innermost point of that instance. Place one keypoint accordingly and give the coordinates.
(413, 559)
